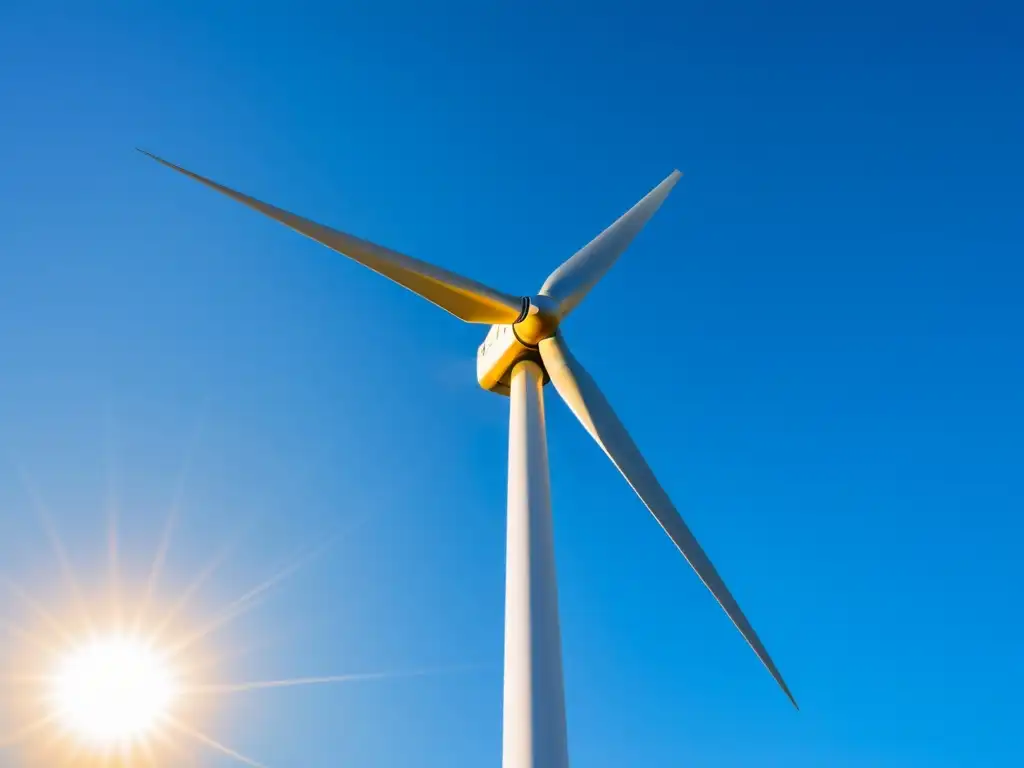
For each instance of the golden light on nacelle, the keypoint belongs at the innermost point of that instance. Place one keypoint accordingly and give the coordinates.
(113, 692)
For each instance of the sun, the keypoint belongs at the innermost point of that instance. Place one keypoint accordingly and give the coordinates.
(121, 676)
(112, 691)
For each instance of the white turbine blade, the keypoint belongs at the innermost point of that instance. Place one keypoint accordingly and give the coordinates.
(584, 398)
(466, 299)
(571, 282)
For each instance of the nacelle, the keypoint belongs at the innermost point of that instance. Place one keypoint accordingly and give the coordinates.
(498, 355)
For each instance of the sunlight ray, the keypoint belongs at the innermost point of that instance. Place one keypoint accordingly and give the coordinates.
(158, 565)
(214, 744)
(148, 752)
(166, 533)
(191, 589)
(25, 679)
(36, 607)
(12, 739)
(113, 513)
(246, 602)
(301, 681)
(182, 755)
(32, 638)
(55, 742)
(22, 634)
(160, 738)
(56, 544)
(249, 600)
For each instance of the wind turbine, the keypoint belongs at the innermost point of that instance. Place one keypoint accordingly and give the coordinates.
(522, 351)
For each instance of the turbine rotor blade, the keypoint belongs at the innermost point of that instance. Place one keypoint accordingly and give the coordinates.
(570, 283)
(466, 299)
(580, 392)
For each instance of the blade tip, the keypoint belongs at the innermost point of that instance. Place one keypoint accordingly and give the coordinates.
(168, 163)
(789, 695)
(670, 181)
(150, 155)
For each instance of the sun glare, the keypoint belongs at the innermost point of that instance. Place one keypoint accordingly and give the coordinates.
(122, 679)
(112, 691)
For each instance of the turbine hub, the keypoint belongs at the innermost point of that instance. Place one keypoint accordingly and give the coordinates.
(507, 345)
(540, 321)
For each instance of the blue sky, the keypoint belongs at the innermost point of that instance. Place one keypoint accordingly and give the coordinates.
(817, 343)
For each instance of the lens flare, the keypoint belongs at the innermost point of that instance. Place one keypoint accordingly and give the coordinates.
(114, 679)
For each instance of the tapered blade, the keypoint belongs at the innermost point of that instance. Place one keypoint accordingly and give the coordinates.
(466, 299)
(570, 283)
(584, 398)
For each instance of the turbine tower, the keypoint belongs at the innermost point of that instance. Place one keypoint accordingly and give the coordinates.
(523, 350)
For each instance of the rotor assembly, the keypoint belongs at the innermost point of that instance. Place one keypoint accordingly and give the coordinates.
(523, 350)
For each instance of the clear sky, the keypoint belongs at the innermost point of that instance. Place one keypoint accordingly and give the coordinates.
(817, 343)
